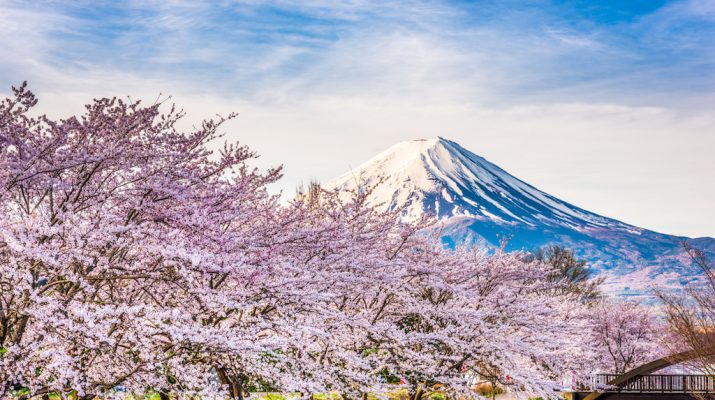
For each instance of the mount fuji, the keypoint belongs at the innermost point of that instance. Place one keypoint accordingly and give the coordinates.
(477, 202)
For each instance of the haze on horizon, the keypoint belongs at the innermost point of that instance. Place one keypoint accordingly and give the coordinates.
(608, 106)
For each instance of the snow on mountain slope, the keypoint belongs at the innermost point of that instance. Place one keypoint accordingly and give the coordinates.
(478, 202)
(441, 177)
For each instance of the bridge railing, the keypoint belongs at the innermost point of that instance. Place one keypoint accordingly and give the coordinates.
(658, 383)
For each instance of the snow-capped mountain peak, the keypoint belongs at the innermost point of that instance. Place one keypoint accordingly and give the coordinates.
(441, 177)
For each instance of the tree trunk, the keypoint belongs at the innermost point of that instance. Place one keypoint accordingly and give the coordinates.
(234, 383)
(418, 394)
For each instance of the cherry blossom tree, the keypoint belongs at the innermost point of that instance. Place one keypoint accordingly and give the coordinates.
(108, 221)
(690, 315)
(626, 335)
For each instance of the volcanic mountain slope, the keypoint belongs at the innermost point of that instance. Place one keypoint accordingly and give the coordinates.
(478, 202)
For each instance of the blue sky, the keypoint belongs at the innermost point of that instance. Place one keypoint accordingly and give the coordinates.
(605, 104)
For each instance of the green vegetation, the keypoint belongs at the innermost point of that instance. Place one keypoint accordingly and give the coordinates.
(579, 276)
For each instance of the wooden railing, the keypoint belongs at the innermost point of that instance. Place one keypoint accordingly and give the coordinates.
(657, 383)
